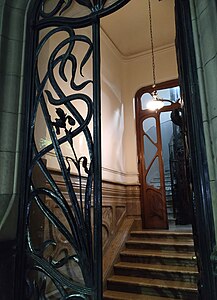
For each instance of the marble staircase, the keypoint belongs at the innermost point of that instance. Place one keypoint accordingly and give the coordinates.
(155, 265)
(169, 198)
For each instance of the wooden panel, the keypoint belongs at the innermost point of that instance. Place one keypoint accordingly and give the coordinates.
(150, 195)
(155, 210)
(118, 202)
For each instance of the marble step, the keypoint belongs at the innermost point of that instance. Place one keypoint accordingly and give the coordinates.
(161, 245)
(180, 273)
(162, 234)
(169, 209)
(154, 287)
(171, 220)
(168, 193)
(158, 257)
(167, 179)
(115, 295)
(169, 199)
(167, 187)
(170, 214)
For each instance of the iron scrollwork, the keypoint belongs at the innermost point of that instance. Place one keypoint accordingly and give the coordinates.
(57, 12)
(63, 220)
(49, 266)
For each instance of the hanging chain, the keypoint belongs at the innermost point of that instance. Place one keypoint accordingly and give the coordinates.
(152, 45)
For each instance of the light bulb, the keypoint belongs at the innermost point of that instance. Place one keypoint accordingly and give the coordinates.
(155, 104)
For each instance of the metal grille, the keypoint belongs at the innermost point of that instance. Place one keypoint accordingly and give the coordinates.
(62, 209)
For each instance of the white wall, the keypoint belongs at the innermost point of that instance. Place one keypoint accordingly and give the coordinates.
(112, 112)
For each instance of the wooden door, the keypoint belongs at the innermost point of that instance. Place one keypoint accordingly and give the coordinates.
(151, 168)
(150, 163)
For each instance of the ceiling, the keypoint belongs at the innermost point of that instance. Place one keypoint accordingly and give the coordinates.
(129, 28)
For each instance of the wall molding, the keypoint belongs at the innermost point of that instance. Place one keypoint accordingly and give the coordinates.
(127, 58)
(107, 173)
(120, 176)
(157, 50)
(105, 38)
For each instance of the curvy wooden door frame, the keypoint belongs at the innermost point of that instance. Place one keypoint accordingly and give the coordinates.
(146, 190)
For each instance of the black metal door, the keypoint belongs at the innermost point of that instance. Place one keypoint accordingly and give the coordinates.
(60, 249)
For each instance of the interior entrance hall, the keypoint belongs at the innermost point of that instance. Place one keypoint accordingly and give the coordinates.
(108, 134)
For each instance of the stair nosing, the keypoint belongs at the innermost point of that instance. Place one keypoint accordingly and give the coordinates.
(164, 262)
(143, 252)
(154, 282)
(120, 294)
(157, 267)
(162, 232)
(155, 242)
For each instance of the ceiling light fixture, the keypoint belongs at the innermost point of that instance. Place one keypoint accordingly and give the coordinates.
(156, 102)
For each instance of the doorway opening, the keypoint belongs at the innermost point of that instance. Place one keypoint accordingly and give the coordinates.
(163, 159)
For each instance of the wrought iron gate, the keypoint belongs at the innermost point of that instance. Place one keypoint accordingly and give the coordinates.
(60, 241)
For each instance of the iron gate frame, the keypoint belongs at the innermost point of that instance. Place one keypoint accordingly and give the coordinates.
(36, 21)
